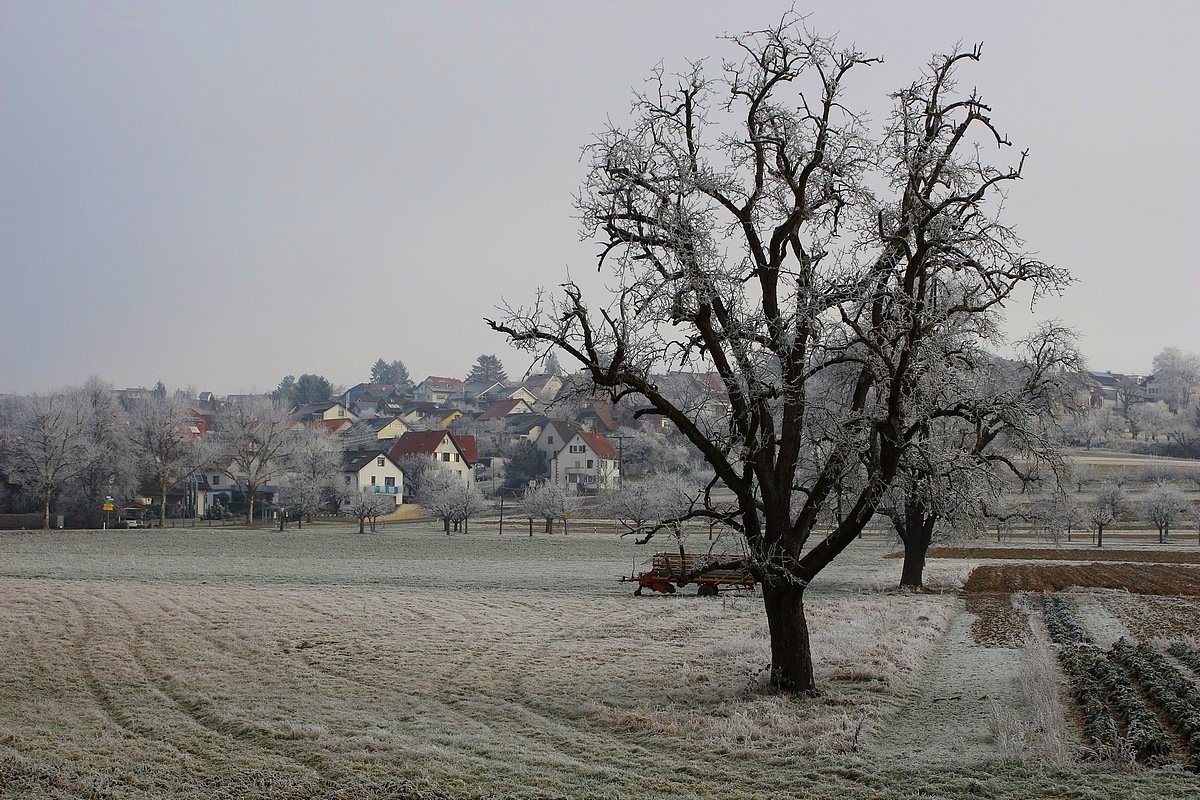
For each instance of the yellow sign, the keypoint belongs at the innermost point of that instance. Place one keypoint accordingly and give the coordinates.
(106, 507)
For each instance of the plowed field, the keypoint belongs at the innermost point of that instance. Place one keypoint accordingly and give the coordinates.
(1066, 554)
(1153, 579)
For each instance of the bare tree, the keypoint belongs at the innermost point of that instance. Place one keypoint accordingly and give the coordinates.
(740, 219)
(49, 445)
(314, 463)
(1108, 507)
(368, 505)
(416, 469)
(998, 424)
(1179, 374)
(166, 448)
(1164, 505)
(548, 501)
(253, 440)
(111, 469)
(437, 493)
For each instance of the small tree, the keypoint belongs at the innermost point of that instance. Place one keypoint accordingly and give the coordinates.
(1164, 506)
(368, 505)
(440, 493)
(548, 501)
(1108, 507)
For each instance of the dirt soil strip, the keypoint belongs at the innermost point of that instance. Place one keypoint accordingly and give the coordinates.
(1152, 579)
(949, 717)
(1063, 554)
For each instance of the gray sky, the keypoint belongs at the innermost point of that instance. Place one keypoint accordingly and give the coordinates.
(219, 194)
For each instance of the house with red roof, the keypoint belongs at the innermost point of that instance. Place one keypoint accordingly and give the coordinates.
(587, 463)
(438, 390)
(453, 451)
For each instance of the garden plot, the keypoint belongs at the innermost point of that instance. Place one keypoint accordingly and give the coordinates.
(412, 664)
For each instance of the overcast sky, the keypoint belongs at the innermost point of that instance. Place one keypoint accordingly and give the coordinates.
(219, 194)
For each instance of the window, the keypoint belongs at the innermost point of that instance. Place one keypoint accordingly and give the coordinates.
(456, 458)
(445, 456)
(341, 411)
(591, 463)
(577, 463)
(549, 440)
(389, 481)
(372, 480)
(578, 448)
(379, 461)
(216, 481)
(347, 480)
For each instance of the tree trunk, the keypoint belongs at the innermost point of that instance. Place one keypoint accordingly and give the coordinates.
(916, 531)
(1099, 536)
(46, 512)
(249, 510)
(361, 522)
(791, 657)
(162, 509)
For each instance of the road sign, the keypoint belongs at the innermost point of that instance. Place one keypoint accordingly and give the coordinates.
(106, 507)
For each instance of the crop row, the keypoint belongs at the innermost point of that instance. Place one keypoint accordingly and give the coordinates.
(1103, 691)
(1060, 622)
(1175, 695)
(1099, 727)
(1188, 655)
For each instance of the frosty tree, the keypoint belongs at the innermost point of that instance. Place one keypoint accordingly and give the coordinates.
(49, 444)
(252, 441)
(314, 465)
(751, 226)
(165, 448)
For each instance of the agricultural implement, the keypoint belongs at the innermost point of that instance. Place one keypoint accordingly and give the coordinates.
(668, 571)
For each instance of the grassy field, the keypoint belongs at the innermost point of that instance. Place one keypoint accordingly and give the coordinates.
(217, 663)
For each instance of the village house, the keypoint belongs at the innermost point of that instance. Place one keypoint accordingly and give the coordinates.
(373, 471)
(455, 452)
(586, 464)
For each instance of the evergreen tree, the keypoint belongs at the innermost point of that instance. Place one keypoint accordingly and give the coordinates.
(487, 369)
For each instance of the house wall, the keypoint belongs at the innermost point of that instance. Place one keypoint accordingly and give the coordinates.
(577, 465)
(374, 474)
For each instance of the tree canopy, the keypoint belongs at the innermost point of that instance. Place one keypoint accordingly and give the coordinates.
(487, 369)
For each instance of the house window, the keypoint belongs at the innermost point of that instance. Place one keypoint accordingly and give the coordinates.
(456, 458)
(341, 411)
(578, 448)
(389, 481)
(348, 480)
(372, 480)
(445, 456)
(577, 463)
(379, 461)
(549, 440)
(590, 463)
(216, 480)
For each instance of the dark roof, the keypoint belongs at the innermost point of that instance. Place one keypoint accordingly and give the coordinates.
(466, 444)
(354, 460)
(500, 408)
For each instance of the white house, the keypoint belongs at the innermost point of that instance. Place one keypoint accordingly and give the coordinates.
(372, 471)
(587, 463)
(455, 452)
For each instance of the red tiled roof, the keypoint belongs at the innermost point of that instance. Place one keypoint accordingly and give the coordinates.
(600, 445)
(466, 443)
(500, 408)
(445, 381)
(425, 443)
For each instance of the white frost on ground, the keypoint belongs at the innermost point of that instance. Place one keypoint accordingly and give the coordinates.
(1098, 621)
(948, 717)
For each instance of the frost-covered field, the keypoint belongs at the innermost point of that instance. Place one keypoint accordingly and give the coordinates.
(322, 663)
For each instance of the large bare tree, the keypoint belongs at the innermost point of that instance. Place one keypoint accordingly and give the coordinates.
(167, 449)
(752, 227)
(49, 444)
(252, 441)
